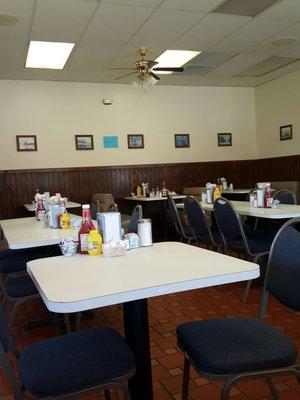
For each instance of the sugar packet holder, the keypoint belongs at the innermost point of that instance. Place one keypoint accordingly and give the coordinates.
(113, 249)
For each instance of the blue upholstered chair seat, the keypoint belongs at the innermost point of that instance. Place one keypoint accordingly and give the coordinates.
(234, 345)
(75, 361)
(19, 287)
(18, 262)
(206, 238)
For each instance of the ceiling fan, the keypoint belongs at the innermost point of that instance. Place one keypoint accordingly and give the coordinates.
(146, 68)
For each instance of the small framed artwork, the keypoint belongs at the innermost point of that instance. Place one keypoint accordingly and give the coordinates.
(135, 141)
(286, 132)
(224, 139)
(182, 140)
(26, 143)
(110, 142)
(84, 142)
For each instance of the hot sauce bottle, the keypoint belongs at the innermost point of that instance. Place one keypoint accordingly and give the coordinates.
(40, 209)
(86, 226)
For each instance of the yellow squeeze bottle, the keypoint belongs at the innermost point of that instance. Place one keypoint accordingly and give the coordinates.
(138, 191)
(217, 193)
(94, 243)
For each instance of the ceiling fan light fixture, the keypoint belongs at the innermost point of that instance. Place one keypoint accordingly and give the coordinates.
(174, 58)
(145, 82)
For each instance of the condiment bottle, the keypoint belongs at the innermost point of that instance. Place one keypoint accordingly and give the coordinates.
(86, 226)
(64, 218)
(138, 191)
(217, 193)
(164, 190)
(40, 209)
(94, 243)
(268, 197)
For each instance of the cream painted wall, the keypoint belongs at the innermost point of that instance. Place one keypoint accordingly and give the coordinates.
(277, 103)
(56, 111)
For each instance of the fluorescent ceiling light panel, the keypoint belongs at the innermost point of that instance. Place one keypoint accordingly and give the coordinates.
(174, 58)
(51, 55)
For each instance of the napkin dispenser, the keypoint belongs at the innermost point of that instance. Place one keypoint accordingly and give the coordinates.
(109, 225)
(53, 213)
(260, 197)
(209, 195)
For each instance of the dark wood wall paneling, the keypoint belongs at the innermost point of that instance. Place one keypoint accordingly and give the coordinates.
(18, 186)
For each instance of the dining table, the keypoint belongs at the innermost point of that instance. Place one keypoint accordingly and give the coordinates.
(281, 211)
(69, 204)
(79, 283)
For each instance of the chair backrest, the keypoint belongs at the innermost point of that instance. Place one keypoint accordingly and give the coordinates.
(95, 207)
(196, 216)
(285, 196)
(135, 216)
(175, 215)
(106, 200)
(283, 272)
(228, 222)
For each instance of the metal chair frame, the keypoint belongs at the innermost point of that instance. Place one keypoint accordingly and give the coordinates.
(255, 256)
(215, 245)
(178, 223)
(232, 379)
(20, 392)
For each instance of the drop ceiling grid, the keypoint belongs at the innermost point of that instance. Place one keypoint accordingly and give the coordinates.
(92, 56)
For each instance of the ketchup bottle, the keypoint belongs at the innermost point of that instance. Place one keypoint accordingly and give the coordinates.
(86, 226)
(40, 210)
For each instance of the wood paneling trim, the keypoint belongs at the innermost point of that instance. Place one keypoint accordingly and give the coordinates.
(18, 186)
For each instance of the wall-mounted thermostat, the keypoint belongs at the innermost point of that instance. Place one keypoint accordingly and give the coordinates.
(107, 102)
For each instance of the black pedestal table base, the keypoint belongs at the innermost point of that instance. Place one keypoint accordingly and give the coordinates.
(136, 327)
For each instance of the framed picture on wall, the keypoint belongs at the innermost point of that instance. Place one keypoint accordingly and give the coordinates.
(286, 132)
(224, 139)
(84, 142)
(135, 141)
(26, 143)
(182, 140)
(110, 142)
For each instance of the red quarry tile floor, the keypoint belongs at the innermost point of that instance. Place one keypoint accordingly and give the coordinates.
(165, 313)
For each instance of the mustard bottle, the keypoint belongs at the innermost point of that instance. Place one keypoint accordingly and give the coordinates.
(94, 243)
(217, 193)
(138, 191)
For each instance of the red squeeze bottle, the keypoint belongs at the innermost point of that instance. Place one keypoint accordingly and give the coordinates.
(86, 226)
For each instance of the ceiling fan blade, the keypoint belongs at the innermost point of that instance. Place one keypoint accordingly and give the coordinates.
(152, 63)
(154, 76)
(171, 69)
(123, 76)
(120, 69)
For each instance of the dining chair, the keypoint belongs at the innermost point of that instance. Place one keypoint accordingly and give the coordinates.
(184, 232)
(256, 247)
(285, 196)
(68, 366)
(135, 216)
(236, 349)
(198, 223)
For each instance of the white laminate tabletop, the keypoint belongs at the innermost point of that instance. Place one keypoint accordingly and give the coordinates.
(236, 191)
(24, 233)
(69, 204)
(154, 198)
(282, 211)
(71, 284)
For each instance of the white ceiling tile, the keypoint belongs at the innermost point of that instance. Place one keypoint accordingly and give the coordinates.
(87, 58)
(113, 25)
(61, 20)
(12, 55)
(249, 35)
(163, 28)
(191, 5)
(21, 9)
(139, 3)
(285, 10)
(292, 52)
(210, 30)
(236, 64)
(268, 49)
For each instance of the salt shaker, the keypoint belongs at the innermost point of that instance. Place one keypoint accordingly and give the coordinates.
(145, 232)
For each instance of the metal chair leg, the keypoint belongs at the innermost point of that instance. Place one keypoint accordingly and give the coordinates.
(107, 394)
(246, 293)
(186, 379)
(77, 321)
(272, 388)
(67, 322)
